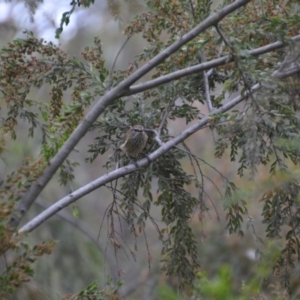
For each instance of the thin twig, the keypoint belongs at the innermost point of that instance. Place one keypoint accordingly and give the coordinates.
(236, 61)
(148, 251)
(157, 138)
(82, 227)
(109, 83)
(202, 176)
(152, 219)
(165, 114)
(209, 72)
(192, 9)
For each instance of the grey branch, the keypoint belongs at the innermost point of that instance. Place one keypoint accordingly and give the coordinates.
(219, 55)
(157, 138)
(164, 147)
(291, 63)
(207, 93)
(286, 73)
(203, 67)
(206, 86)
(206, 75)
(59, 205)
(115, 93)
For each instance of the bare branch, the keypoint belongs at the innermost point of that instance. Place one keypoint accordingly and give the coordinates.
(286, 73)
(157, 138)
(206, 85)
(165, 116)
(219, 55)
(114, 63)
(52, 210)
(291, 57)
(236, 60)
(192, 9)
(291, 63)
(204, 66)
(206, 82)
(207, 94)
(115, 93)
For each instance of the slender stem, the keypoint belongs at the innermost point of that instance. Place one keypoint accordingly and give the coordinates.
(207, 93)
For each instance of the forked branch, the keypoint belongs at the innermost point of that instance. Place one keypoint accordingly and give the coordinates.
(113, 94)
(41, 218)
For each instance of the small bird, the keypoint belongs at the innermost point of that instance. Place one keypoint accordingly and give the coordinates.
(135, 141)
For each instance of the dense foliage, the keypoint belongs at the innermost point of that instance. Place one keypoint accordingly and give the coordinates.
(262, 131)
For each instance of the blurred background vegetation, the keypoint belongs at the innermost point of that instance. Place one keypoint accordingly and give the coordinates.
(229, 264)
